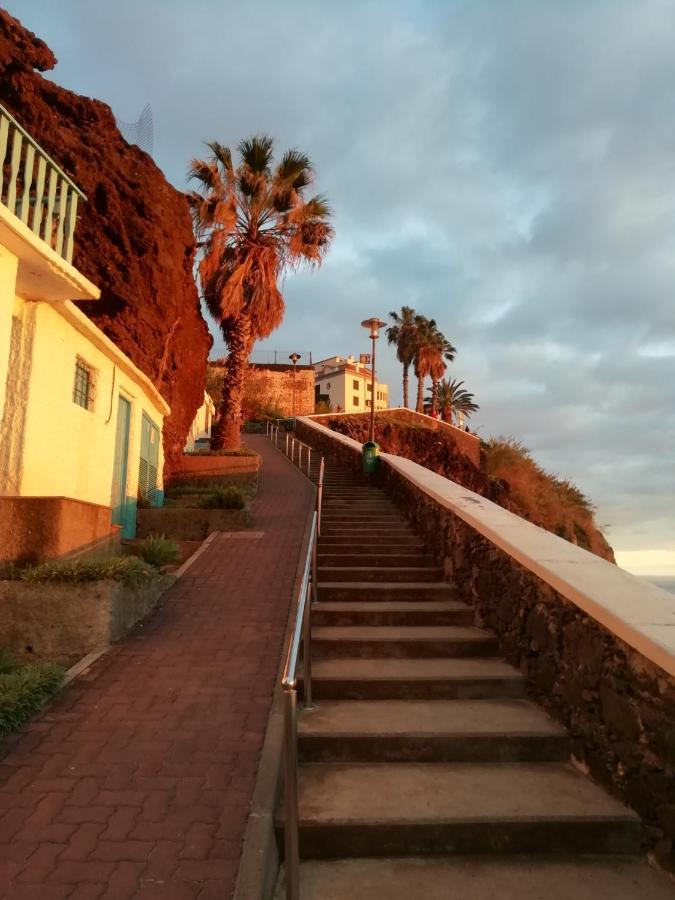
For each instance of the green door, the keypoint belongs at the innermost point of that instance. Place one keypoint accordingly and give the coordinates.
(123, 507)
(149, 463)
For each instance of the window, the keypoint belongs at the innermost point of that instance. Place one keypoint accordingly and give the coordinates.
(83, 386)
(369, 387)
(355, 401)
(355, 384)
(369, 403)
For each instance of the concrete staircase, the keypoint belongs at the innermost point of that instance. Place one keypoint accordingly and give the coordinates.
(422, 743)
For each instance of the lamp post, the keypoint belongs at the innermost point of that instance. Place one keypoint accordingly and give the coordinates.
(374, 325)
(294, 357)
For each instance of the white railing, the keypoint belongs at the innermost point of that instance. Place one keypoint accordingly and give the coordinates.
(35, 189)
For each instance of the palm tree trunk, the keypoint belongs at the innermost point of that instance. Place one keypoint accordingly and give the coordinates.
(226, 433)
(420, 392)
(405, 386)
(434, 389)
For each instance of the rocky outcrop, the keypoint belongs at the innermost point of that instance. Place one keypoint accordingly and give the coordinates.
(133, 237)
(525, 490)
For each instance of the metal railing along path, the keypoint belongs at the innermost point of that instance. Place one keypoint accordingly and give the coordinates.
(37, 191)
(300, 635)
(288, 445)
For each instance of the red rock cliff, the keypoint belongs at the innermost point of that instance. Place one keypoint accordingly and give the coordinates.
(133, 237)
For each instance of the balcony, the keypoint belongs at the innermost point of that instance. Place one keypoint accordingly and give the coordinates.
(38, 214)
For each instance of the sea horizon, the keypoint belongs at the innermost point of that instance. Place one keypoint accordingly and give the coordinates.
(665, 582)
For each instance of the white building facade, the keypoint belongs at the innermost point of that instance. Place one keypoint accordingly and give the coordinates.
(347, 385)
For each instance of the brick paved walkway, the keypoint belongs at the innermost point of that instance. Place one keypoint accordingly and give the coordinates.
(137, 781)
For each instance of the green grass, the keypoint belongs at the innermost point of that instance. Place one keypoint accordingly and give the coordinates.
(23, 690)
(127, 569)
(224, 498)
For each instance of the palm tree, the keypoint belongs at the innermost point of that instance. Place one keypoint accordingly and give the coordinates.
(252, 223)
(432, 351)
(403, 333)
(452, 397)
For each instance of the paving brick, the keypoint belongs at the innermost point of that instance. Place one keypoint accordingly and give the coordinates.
(40, 865)
(123, 850)
(75, 871)
(137, 782)
(84, 841)
(124, 882)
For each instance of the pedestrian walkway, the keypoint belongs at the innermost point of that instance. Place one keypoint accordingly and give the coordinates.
(137, 781)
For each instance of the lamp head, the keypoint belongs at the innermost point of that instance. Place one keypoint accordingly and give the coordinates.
(294, 357)
(374, 325)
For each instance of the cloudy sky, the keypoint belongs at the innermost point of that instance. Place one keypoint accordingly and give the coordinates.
(507, 167)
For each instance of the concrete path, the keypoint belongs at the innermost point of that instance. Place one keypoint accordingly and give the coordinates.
(137, 781)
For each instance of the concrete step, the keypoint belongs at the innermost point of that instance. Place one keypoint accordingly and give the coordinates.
(390, 520)
(481, 878)
(358, 515)
(409, 543)
(440, 678)
(374, 559)
(395, 612)
(364, 533)
(375, 641)
(410, 809)
(430, 731)
(380, 590)
(417, 574)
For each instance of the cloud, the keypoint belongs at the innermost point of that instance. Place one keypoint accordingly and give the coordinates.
(507, 168)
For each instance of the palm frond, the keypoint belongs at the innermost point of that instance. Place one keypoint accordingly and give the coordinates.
(256, 153)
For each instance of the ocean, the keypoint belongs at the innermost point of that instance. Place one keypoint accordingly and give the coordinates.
(665, 582)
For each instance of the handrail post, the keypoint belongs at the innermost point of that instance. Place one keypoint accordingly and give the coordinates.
(291, 843)
(293, 450)
(309, 460)
(307, 643)
(287, 436)
(319, 498)
(314, 581)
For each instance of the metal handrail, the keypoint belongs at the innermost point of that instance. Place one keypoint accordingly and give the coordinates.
(300, 635)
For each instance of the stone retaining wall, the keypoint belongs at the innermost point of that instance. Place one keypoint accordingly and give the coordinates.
(618, 706)
(63, 622)
(185, 524)
(34, 529)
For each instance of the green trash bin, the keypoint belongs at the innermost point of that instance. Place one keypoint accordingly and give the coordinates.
(371, 457)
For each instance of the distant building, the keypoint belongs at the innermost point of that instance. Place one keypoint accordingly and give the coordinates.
(346, 385)
(199, 434)
(80, 424)
(276, 389)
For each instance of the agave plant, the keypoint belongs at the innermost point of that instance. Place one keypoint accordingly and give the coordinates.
(252, 223)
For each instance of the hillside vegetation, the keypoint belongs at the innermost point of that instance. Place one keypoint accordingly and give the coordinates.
(508, 475)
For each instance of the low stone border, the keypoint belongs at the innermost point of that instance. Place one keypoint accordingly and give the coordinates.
(187, 523)
(62, 620)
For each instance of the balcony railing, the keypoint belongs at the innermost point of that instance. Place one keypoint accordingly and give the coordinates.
(35, 189)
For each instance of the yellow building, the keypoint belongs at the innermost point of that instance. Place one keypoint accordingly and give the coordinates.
(347, 385)
(79, 422)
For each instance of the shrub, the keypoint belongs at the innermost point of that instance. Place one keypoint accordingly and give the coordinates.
(157, 550)
(23, 690)
(224, 498)
(127, 569)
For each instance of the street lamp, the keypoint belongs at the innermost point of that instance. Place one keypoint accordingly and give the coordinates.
(294, 357)
(374, 325)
